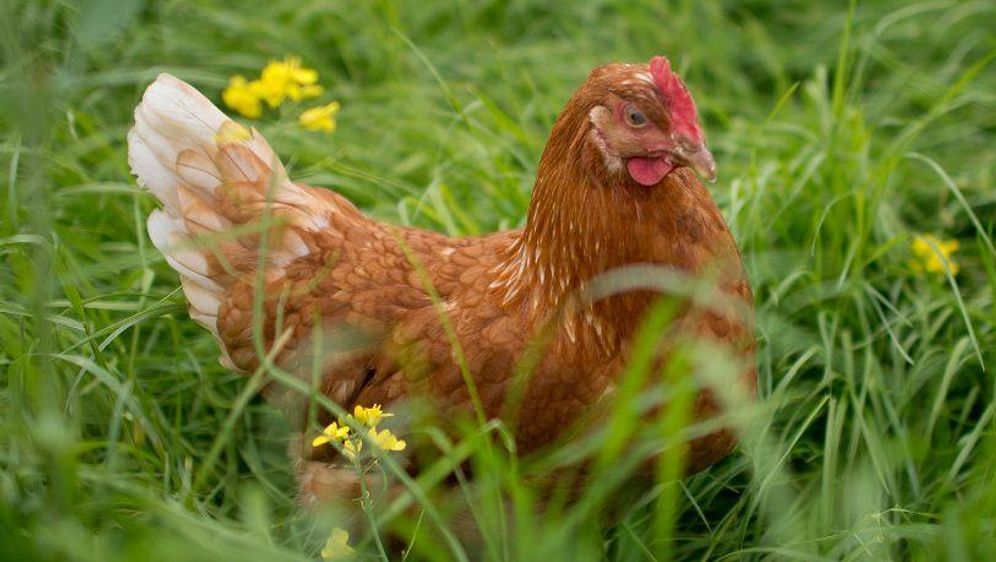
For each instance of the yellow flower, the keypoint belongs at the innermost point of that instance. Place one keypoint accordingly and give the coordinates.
(279, 81)
(371, 416)
(351, 448)
(337, 546)
(333, 432)
(386, 440)
(932, 253)
(243, 96)
(287, 79)
(321, 118)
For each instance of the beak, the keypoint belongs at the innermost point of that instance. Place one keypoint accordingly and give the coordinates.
(700, 160)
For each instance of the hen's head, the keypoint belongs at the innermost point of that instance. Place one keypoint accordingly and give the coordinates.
(644, 122)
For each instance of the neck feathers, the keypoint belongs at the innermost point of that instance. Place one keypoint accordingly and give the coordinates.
(587, 217)
(585, 220)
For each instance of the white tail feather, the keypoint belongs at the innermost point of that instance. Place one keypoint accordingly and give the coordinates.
(183, 149)
(172, 150)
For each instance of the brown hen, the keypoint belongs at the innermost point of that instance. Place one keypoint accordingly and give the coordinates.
(376, 308)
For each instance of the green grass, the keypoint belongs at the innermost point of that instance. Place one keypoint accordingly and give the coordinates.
(839, 135)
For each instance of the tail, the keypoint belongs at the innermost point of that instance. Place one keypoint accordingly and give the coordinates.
(215, 179)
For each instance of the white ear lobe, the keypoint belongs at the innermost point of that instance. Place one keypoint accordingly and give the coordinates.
(600, 116)
(601, 120)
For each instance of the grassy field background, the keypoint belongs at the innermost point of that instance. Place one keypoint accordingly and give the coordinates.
(840, 134)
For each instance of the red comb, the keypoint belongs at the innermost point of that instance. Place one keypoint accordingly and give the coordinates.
(684, 117)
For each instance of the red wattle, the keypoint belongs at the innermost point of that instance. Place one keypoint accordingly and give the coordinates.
(648, 171)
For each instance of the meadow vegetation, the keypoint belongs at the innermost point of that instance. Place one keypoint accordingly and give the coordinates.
(854, 144)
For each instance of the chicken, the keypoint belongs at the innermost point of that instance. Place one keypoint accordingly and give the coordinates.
(389, 313)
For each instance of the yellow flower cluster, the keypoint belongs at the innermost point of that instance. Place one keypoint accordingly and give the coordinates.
(352, 444)
(278, 82)
(932, 253)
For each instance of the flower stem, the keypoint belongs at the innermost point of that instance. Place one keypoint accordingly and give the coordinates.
(367, 509)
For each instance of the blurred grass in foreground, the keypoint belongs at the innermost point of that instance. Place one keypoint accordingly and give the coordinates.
(839, 136)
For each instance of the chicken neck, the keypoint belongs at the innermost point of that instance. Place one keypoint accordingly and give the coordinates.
(586, 219)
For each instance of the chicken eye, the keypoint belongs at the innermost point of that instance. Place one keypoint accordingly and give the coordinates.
(635, 117)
